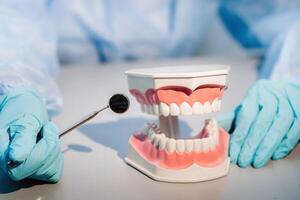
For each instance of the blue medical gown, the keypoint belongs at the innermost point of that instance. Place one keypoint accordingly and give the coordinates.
(35, 36)
(267, 28)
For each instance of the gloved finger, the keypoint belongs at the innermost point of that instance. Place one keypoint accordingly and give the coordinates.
(244, 118)
(289, 141)
(227, 121)
(279, 128)
(39, 154)
(51, 171)
(257, 131)
(23, 133)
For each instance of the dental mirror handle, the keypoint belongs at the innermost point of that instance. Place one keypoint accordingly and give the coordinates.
(118, 103)
(82, 121)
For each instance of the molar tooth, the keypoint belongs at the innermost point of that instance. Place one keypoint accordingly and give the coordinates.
(197, 108)
(207, 107)
(162, 142)
(216, 135)
(171, 145)
(197, 145)
(151, 134)
(152, 109)
(156, 109)
(214, 130)
(164, 109)
(216, 138)
(174, 109)
(189, 146)
(152, 137)
(180, 147)
(212, 143)
(215, 105)
(148, 109)
(205, 144)
(186, 109)
(156, 139)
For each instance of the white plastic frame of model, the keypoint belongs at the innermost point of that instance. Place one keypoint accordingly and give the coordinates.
(168, 92)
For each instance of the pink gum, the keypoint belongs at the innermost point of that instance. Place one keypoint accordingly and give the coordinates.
(177, 160)
(200, 95)
(169, 96)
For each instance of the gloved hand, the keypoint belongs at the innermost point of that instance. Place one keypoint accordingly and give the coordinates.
(266, 125)
(26, 137)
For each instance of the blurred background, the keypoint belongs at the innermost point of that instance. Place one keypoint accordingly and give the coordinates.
(217, 38)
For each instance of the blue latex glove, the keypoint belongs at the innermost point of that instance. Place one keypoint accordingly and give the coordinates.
(266, 125)
(22, 117)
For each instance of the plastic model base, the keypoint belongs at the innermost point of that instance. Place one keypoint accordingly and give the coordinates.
(168, 92)
(194, 173)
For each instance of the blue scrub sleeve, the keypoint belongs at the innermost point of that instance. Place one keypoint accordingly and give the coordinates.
(267, 28)
(28, 50)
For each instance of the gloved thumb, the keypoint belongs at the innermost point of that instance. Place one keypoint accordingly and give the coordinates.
(23, 136)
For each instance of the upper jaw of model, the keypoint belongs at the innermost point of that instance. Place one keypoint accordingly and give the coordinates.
(169, 92)
(177, 91)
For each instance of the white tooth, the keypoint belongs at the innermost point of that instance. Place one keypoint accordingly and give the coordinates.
(148, 109)
(145, 108)
(215, 104)
(152, 109)
(171, 145)
(205, 144)
(213, 130)
(207, 107)
(174, 109)
(219, 105)
(164, 109)
(209, 124)
(186, 109)
(189, 146)
(197, 108)
(216, 137)
(156, 109)
(197, 145)
(152, 137)
(212, 143)
(162, 142)
(180, 147)
(156, 139)
(151, 134)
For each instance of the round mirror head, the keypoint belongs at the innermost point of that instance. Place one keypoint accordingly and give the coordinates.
(119, 103)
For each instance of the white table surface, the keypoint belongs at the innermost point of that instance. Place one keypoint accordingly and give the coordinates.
(94, 166)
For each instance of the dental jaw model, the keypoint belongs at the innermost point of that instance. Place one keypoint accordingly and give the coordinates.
(168, 92)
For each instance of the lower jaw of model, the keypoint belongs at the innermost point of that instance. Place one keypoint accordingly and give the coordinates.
(162, 157)
(157, 150)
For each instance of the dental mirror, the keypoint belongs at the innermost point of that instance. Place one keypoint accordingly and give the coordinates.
(118, 103)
